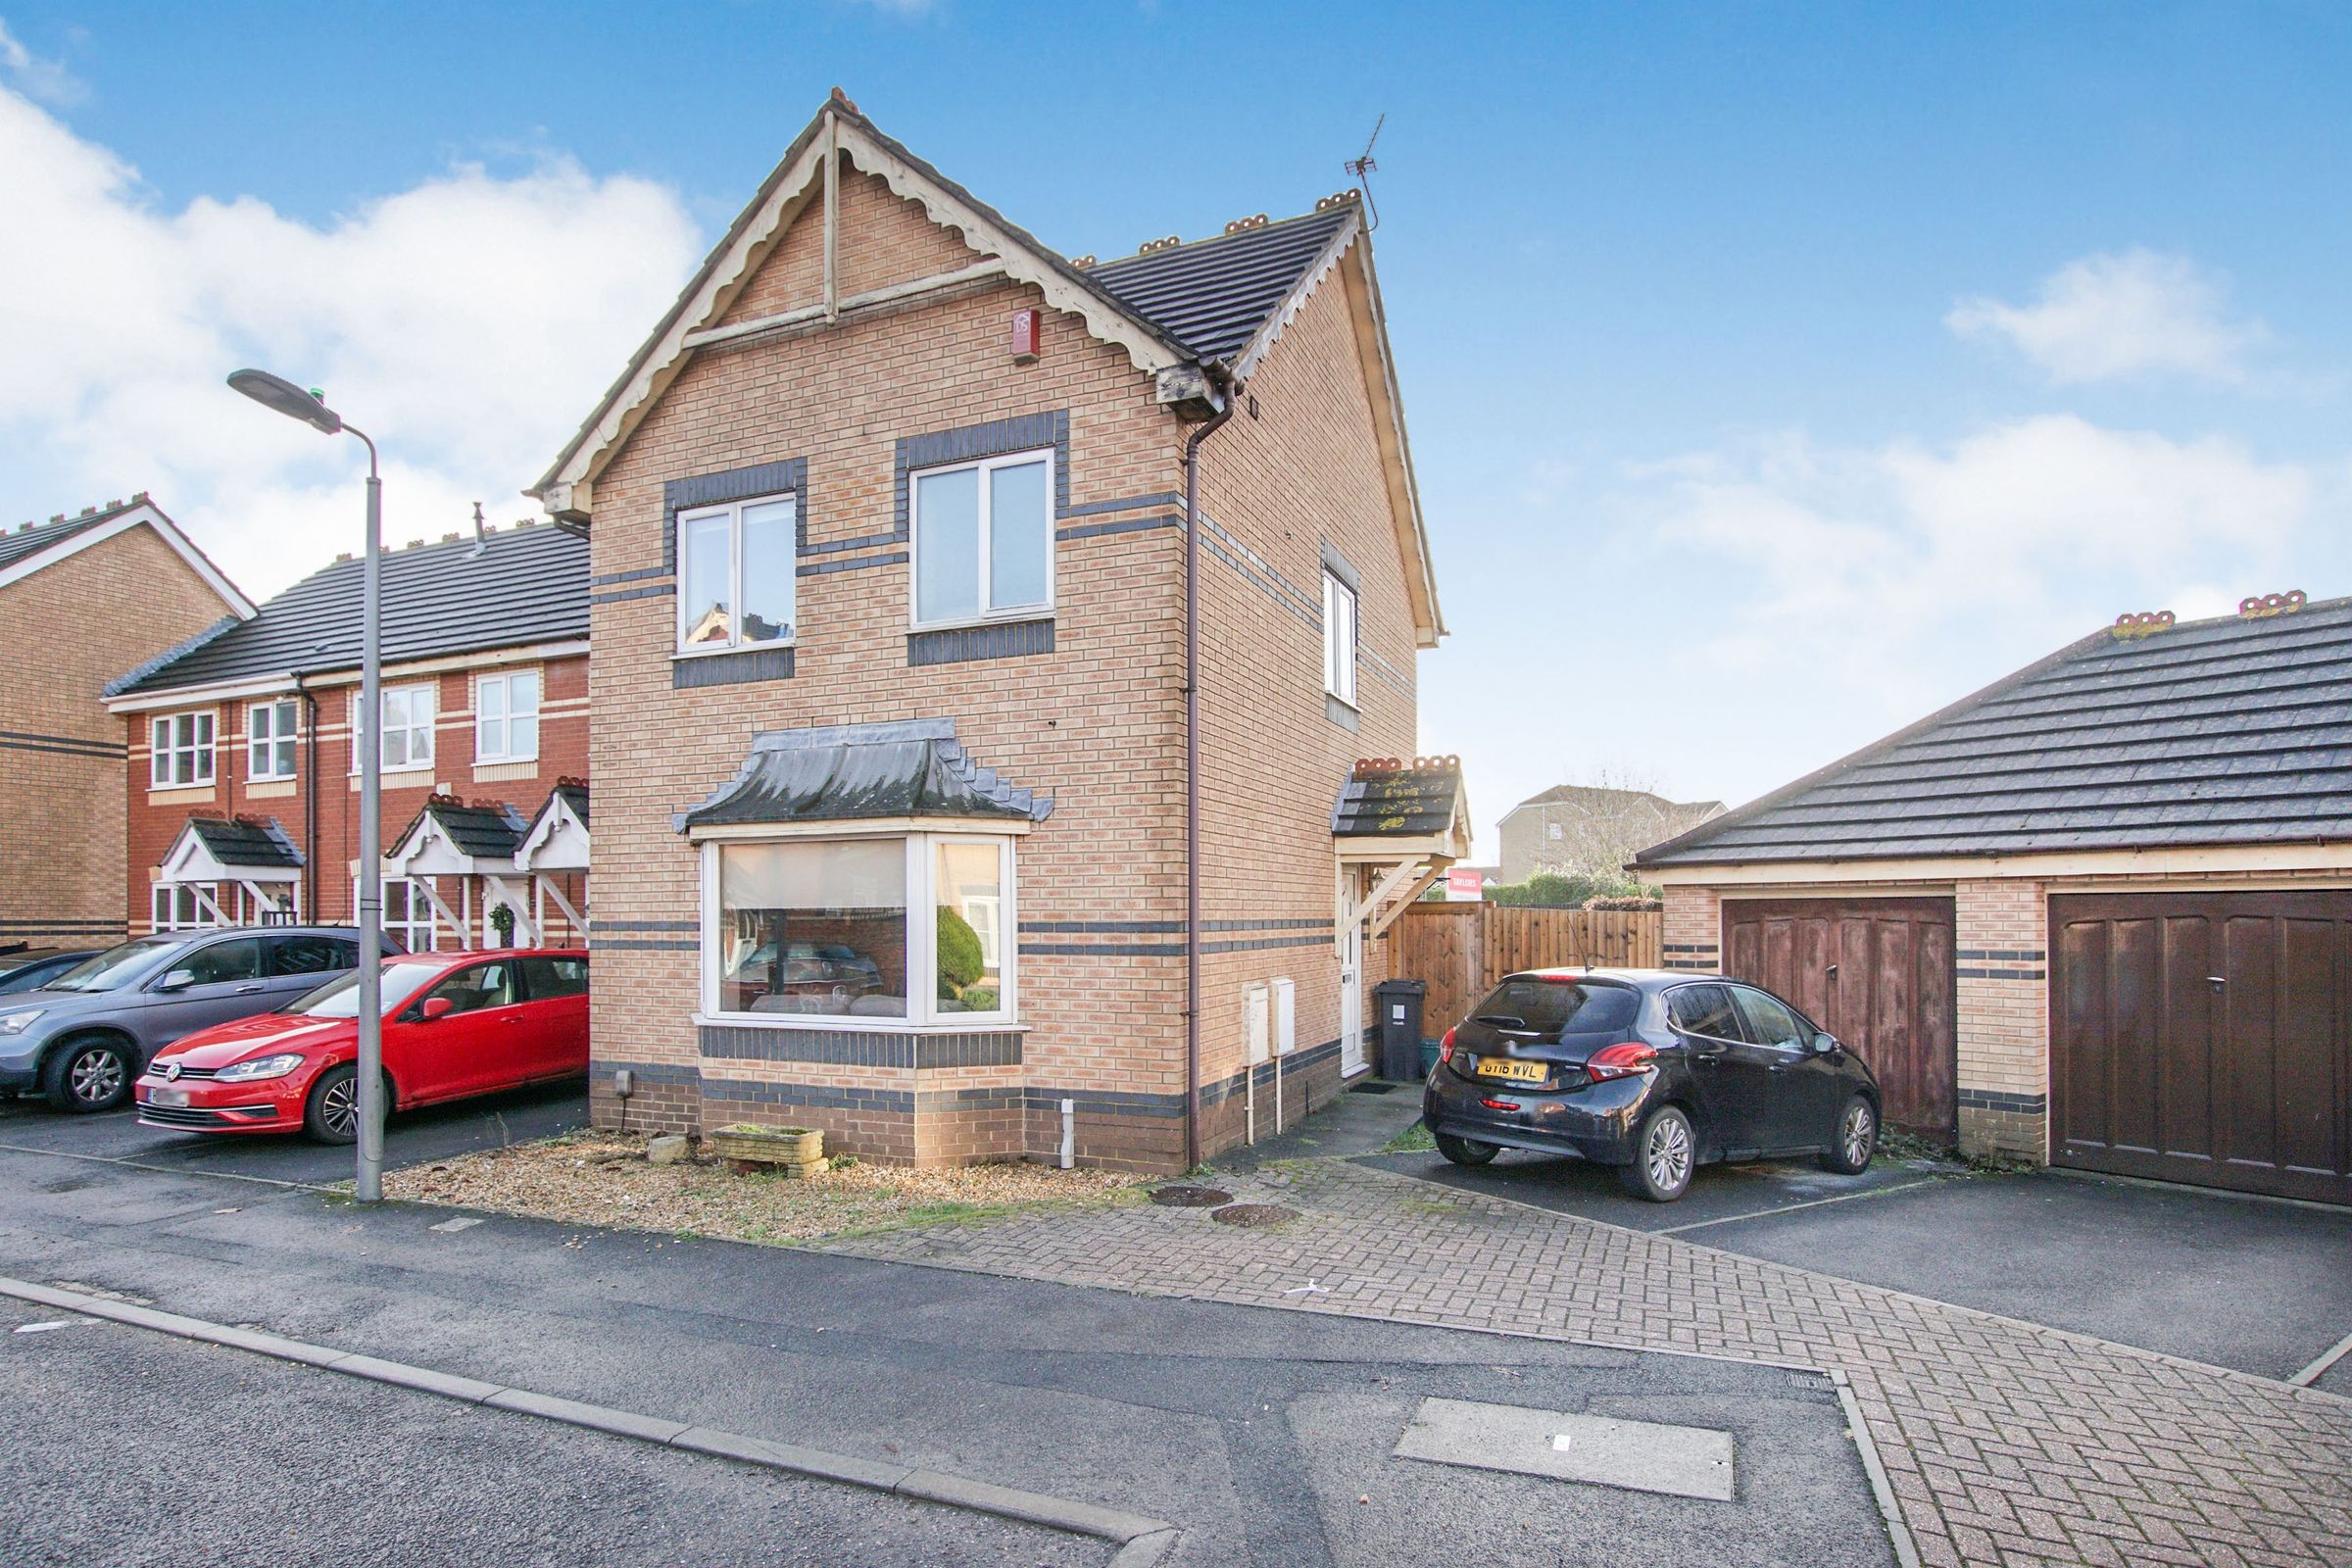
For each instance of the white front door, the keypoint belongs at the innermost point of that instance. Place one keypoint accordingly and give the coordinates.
(1351, 999)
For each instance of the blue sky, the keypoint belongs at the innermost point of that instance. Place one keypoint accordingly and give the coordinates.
(1774, 373)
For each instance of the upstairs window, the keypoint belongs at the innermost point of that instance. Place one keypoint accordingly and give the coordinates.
(736, 567)
(408, 728)
(1339, 639)
(984, 540)
(182, 745)
(506, 717)
(269, 740)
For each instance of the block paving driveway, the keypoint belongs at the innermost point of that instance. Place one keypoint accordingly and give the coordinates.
(2004, 1442)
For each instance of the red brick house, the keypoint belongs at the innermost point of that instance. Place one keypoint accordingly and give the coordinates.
(244, 766)
(82, 598)
(922, 832)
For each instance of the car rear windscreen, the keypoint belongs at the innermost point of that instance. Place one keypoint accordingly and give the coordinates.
(1561, 1006)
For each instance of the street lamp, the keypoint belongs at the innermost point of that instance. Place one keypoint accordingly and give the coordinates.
(282, 395)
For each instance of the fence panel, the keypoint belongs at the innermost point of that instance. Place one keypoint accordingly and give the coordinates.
(1460, 950)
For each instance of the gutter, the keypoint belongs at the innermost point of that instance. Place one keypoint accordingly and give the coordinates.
(1191, 760)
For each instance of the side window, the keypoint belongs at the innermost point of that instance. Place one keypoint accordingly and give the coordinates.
(220, 961)
(1769, 1020)
(310, 954)
(1704, 1010)
(478, 986)
(550, 978)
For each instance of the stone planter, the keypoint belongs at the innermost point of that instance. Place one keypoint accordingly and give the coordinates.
(797, 1151)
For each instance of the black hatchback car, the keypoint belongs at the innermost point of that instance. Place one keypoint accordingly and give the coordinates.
(1655, 1072)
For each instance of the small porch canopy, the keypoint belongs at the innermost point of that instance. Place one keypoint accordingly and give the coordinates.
(557, 843)
(1397, 827)
(251, 852)
(450, 837)
(912, 771)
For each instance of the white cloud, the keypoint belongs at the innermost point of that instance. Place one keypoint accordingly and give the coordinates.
(2126, 315)
(466, 323)
(36, 77)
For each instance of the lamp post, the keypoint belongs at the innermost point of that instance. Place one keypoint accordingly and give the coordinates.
(275, 392)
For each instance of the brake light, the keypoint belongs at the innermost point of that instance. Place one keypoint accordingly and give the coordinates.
(1445, 1047)
(1621, 1062)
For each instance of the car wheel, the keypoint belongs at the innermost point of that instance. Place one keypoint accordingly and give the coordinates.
(1664, 1155)
(331, 1115)
(88, 1075)
(1464, 1150)
(1855, 1139)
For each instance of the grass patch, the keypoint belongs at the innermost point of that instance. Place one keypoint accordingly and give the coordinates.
(1415, 1139)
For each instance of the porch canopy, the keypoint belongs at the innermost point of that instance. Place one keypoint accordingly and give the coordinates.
(251, 853)
(557, 843)
(1397, 827)
(450, 837)
(911, 770)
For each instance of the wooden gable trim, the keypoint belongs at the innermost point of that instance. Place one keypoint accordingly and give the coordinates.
(1371, 324)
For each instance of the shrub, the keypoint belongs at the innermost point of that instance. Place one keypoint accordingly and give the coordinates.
(980, 998)
(959, 957)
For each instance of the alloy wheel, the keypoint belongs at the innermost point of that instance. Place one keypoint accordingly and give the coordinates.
(1669, 1153)
(339, 1106)
(96, 1077)
(1858, 1133)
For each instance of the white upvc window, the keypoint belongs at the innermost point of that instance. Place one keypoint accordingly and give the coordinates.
(269, 736)
(1338, 638)
(408, 916)
(175, 906)
(908, 929)
(408, 728)
(736, 574)
(982, 536)
(506, 717)
(181, 750)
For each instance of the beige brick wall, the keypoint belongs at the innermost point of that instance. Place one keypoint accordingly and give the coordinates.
(70, 628)
(1692, 928)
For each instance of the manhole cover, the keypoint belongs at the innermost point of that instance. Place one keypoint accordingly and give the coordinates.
(1190, 1197)
(1253, 1214)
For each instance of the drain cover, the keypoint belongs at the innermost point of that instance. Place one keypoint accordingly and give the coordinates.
(1640, 1456)
(1253, 1214)
(1181, 1197)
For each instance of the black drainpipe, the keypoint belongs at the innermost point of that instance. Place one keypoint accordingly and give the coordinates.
(1192, 775)
(310, 800)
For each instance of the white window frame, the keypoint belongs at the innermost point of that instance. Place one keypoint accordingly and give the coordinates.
(733, 511)
(504, 682)
(409, 727)
(165, 748)
(162, 907)
(915, 534)
(405, 929)
(1340, 602)
(264, 734)
(922, 938)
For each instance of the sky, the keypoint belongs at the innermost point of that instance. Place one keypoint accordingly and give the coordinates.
(1774, 375)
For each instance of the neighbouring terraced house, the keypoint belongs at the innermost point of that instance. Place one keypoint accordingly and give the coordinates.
(82, 599)
(898, 772)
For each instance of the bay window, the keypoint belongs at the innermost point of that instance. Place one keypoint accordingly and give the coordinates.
(736, 574)
(270, 739)
(180, 748)
(506, 717)
(913, 928)
(984, 540)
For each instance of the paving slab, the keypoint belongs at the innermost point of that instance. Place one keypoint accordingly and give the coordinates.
(1636, 1456)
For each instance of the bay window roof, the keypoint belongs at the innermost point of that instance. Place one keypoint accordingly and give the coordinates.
(851, 772)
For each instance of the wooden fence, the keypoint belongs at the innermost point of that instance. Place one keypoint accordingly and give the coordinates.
(1460, 950)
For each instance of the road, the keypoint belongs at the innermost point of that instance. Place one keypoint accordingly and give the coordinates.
(1266, 1435)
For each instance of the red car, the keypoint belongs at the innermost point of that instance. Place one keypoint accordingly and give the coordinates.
(455, 1024)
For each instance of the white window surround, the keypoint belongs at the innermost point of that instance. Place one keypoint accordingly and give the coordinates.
(180, 749)
(272, 729)
(983, 589)
(922, 862)
(506, 716)
(1340, 608)
(414, 726)
(732, 514)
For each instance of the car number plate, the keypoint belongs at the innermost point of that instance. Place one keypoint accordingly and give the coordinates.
(1518, 1072)
(167, 1097)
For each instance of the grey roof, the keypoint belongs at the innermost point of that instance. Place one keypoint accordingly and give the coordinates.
(844, 773)
(1597, 795)
(487, 830)
(2230, 731)
(1213, 295)
(573, 793)
(1397, 799)
(529, 585)
(246, 841)
(18, 543)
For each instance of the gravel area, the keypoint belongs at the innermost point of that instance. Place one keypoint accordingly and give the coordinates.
(604, 1179)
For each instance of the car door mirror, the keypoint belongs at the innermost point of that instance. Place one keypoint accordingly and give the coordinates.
(435, 1008)
(176, 980)
(1823, 1042)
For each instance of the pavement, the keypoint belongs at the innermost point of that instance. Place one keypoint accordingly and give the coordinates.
(1266, 1435)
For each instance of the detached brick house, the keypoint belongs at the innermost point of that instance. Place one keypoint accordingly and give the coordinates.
(243, 762)
(2098, 914)
(1584, 829)
(81, 600)
(890, 545)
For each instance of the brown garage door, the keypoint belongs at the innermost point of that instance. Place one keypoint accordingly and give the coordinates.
(2203, 1037)
(1874, 972)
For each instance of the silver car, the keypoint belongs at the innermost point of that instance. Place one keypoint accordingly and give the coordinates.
(82, 1038)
